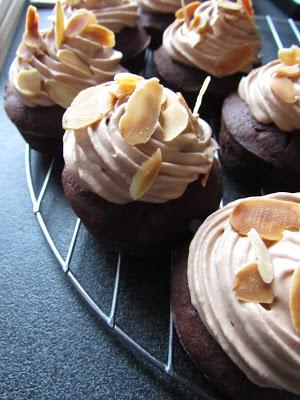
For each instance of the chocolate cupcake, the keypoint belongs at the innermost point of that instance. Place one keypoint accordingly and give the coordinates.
(139, 167)
(215, 38)
(51, 67)
(235, 298)
(121, 16)
(156, 16)
(260, 131)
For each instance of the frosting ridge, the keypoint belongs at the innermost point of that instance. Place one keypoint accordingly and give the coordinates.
(161, 6)
(261, 342)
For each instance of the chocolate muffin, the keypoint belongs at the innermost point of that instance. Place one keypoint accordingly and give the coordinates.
(248, 349)
(51, 67)
(139, 167)
(120, 16)
(212, 38)
(260, 126)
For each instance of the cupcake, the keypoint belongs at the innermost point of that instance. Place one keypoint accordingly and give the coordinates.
(235, 299)
(260, 131)
(218, 38)
(51, 67)
(139, 166)
(156, 16)
(121, 16)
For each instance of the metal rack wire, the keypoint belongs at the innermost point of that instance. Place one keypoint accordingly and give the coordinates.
(110, 319)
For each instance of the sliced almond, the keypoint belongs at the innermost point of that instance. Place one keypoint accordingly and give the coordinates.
(78, 22)
(145, 176)
(174, 121)
(235, 60)
(121, 91)
(59, 24)
(229, 6)
(294, 299)
(127, 79)
(88, 107)
(267, 216)
(283, 88)
(289, 71)
(248, 286)
(264, 261)
(248, 7)
(289, 56)
(32, 22)
(185, 105)
(68, 57)
(142, 111)
(29, 82)
(188, 10)
(202, 92)
(100, 34)
(61, 93)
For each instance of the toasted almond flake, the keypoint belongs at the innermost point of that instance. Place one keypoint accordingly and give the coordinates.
(283, 88)
(59, 24)
(88, 107)
(289, 56)
(248, 286)
(127, 79)
(264, 261)
(78, 22)
(294, 299)
(145, 176)
(248, 7)
(187, 11)
(229, 6)
(191, 117)
(32, 22)
(201, 94)
(174, 121)
(138, 122)
(68, 57)
(100, 34)
(289, 71)
(61, 93)
(28, 82)
(235, 59)
(121, 91)
(267, 216)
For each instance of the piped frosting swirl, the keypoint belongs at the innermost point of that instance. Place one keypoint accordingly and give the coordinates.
(272, 91)
(161, 6)
(217, 37)
(54, 65)
(114, 14)
(262, 343)
(114, 160)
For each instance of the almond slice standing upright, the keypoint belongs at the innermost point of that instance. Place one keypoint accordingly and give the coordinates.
(145, 176)
(100, 34)
(248, 286)
(174, 121)
(78, 22)
(294, 299)
(142, 110)
(59, 24)
(88, 107)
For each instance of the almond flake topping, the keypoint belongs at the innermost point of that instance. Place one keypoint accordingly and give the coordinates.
(78, 22)
(145, 176)
(289, 71)
(31, 37)
(142, 110)
(201, 94)
(249, 286)
(127, 79)
(230, 6)
(61, 93)
(174, 120)
(187, 11)
(289, 56)
(59, 24)
(99, 34)
(90, 106)
(264, 261)
(267, 216)
(283, 88)
(68, 57)
(294, 299)
(248, 7)
(28, 82)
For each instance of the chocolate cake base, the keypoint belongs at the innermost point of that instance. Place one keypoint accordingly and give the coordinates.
(155, 24)
(140, 227)
(204, 350)
(256, 151)
(41, 127)
(188, 81)
(133, 42)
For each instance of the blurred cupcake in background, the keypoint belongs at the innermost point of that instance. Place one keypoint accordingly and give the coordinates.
(51, 67)
(121, 16)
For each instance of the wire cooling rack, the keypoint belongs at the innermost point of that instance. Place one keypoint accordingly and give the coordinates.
(110, 319)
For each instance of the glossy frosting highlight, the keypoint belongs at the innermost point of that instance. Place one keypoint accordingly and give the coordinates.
(223, 33)
(266, 107)
(262, 343)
